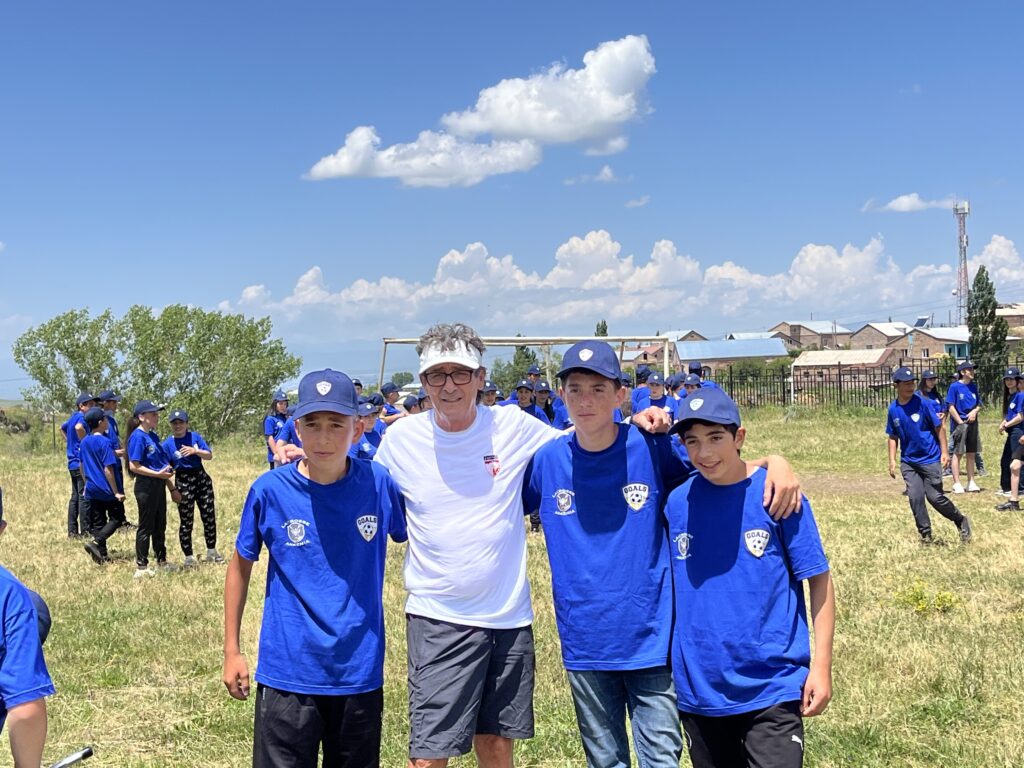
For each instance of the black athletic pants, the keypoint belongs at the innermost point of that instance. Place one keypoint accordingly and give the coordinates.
(103, 522)
(78, 516)
(924, 482)
(291, 727)
(151, 496)
(764, 738)
(196, 489)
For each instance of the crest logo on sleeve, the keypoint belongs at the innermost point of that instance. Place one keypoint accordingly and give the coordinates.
(367, 525)
(296, 530)
(563, 501)
(323, 387)
(636, 495)
(493, 465)
(682, 542)
(756, 541)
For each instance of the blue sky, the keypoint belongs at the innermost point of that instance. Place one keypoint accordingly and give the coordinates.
(760, 162)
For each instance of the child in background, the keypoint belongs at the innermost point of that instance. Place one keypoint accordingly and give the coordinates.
(743, 673)
(489, 393)
(324, 521)
(389, 413)
(109, 401)
(365, 446)
(287, 437)
(1013, 450)
(188, 450)
(411, 404)
(74, 430)
(151, 467)
(101, 492)
(274, 422)
(964, 404)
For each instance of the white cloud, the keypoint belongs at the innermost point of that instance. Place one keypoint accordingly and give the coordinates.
(1004, 264)
(557, 106)
(909, 204)
(639, 202)
(433, 160)
(591, 276)
(604, 176)
(562, 105)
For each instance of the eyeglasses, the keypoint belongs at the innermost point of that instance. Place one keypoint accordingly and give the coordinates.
(459, 377)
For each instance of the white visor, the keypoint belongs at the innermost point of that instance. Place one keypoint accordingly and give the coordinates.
(459, 354)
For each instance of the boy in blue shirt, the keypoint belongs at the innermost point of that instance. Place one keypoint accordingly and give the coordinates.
(324, 521)
(657, 396)
(365, 446)
(524, 399)
(912, 425)
(740, 650)
(109, 401)
(74, 430)
(274, 423)
(102, 494)
(963, 403)
(697, 369)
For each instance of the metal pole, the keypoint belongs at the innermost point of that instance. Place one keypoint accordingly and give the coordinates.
(383, 357)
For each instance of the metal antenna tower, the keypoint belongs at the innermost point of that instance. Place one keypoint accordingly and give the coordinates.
(961, 210)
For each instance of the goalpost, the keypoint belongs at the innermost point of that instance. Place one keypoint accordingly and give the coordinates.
(546, 342)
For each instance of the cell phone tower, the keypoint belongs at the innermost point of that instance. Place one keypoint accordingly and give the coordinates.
(961, 210)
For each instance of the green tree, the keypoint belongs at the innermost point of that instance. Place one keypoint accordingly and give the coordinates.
(987, 335)
(402, 378)
(220, 368)
(946, 370)
(601, 329)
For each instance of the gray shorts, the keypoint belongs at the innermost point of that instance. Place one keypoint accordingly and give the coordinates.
(965, 438)
(464, 681)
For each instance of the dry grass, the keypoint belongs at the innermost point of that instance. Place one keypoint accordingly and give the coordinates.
(929, 645)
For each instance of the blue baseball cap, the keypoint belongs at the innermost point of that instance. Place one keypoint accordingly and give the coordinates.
(280, 395)
(695, 367)
(357, 383)
(146, 406)
(326, 390)
(377, 399)
(524, 384)
(533, 370)
(489, 386)
(656, 378)
(691, 380)
(422, 394)
(591, 356)
(366, 408)
(903, 374)
(108, 394)
(626, 381)
(93, 417)
(178, 415)
(84, 398)
(711, 405)
(388, 388)
(542, 385)
(929, 374)
(965, 365)
(412, 401)
(1011, 373)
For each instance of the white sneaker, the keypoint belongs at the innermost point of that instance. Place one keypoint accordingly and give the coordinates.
(143, 573)
(972, 487)
(213, 556)
(191, 562)
(958, 488)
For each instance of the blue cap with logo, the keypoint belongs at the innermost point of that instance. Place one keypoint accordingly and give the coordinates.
(146, 406)
(542, 385)
(1012, 372)
(411, 401)
(710, 405)
(93, 417)
(377, 399)
(524, 384)
(489, 386)
(178, 415)
(84, 398)
(695, 367)
(367, 408)
(964, 366)
(533, 370)
(108, 394)
(903, 374)
(656, 378)
(280, 395)
(592, 356)
(929, 374)
(326, 390)
(691, 380)
(389, 387)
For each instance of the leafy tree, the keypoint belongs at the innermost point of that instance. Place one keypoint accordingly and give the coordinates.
(601, 329)
(987, 335)
(220, 368)
(946, 370)
(402, 378)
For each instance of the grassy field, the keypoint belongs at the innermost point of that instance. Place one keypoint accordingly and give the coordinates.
(929, 657)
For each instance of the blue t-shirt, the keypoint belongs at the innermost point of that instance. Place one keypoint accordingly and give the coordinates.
(707, 384)
(323, 617)
(607, 547)
(665, 402)
(913, 424)
(74, 441)
(536, 412)
(145, 448)
(937, 403)
(740, 640)
(272, 426)
(97, 454)
(23, 675)
(114, 434)
(172, 447)
(1015, 407)
(288, 434)
(367, 445)
(640, 393)
(963, 397)
(388, 410)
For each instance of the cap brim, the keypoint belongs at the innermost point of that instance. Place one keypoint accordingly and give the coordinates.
(680, 426)
(342, 410)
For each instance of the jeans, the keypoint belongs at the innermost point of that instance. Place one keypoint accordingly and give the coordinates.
(76, 509)
(602, 700)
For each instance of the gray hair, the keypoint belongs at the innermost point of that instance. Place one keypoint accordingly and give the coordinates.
(445, 336)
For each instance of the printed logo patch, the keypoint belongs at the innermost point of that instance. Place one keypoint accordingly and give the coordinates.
(756, 541)
(915, 417)
(586, 354)
(682, 542)
(323, 387)
(367, 525)
(493, 465)
(563, 501)
(696, 403)
(636, 495)
(296, 530)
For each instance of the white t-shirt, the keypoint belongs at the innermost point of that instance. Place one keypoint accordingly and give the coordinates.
(466, 560)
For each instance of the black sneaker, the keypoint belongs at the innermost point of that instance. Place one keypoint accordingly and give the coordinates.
(965, 529)
(98, 555)
(1006, 506)
(926, 539)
